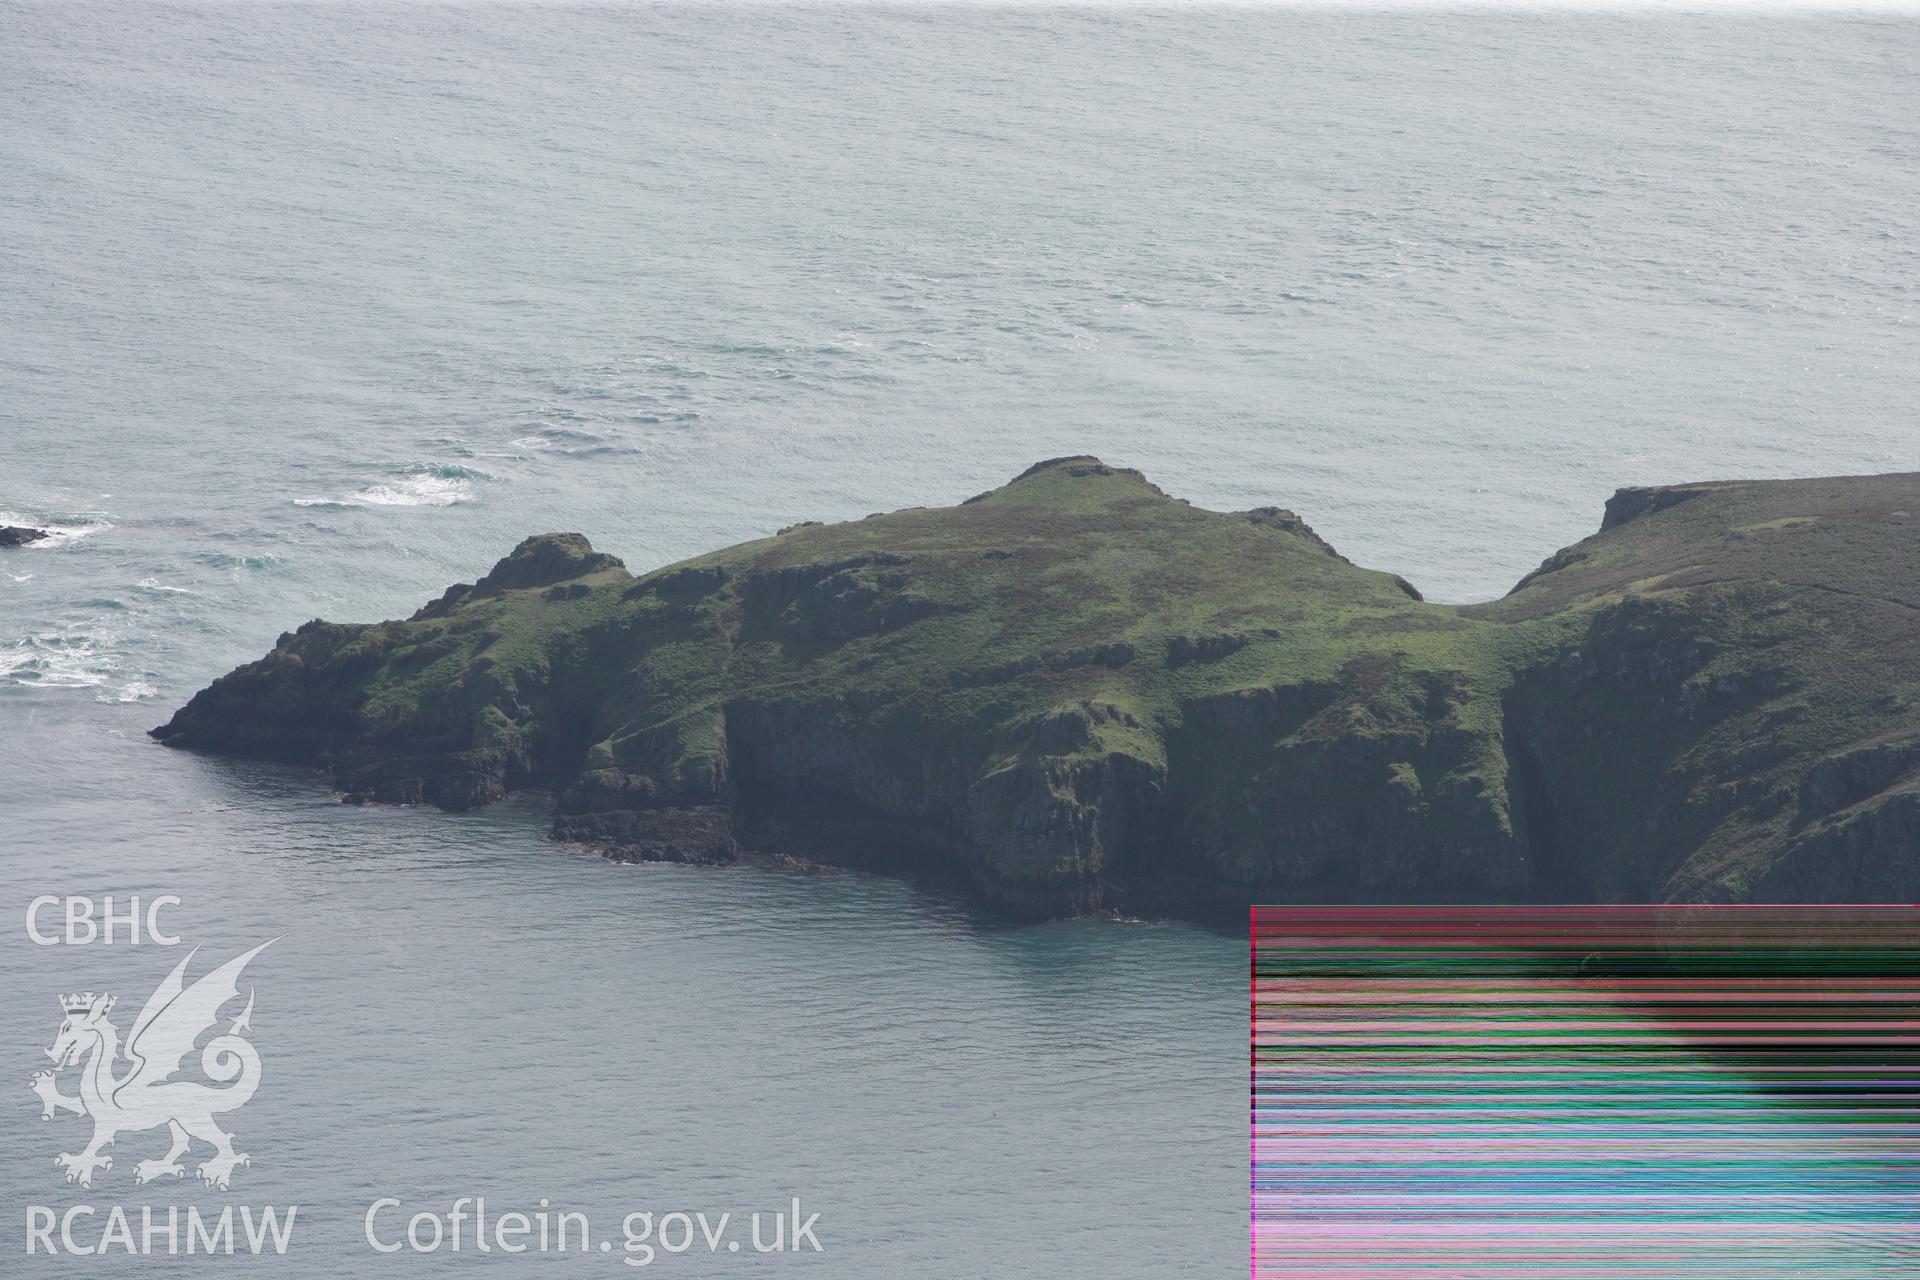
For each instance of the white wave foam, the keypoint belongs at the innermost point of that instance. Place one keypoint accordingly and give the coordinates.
(417, 491)
(52, 660)
(426, 485)
(79, 655)
(154, 584)
(133, 691)
(59, 532)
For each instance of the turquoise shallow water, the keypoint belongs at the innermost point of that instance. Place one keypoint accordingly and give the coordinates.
(313, 311)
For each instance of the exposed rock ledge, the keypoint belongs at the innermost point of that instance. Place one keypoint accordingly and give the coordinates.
(1075, 692)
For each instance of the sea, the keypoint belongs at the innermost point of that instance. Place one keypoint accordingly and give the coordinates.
(311, 310)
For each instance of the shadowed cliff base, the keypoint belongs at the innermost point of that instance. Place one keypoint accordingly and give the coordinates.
(1074, 692)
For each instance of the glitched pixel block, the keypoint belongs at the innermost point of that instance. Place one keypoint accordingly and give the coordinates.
(1658, 1092)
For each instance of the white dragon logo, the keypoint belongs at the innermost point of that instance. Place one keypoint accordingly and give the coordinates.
(147, 1096)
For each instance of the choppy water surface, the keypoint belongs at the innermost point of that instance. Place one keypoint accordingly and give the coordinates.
(312, 311)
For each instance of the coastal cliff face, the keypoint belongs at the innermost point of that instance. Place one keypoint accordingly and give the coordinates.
(1075, 692)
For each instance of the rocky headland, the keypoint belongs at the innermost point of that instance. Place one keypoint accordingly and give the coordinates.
(1075, 692)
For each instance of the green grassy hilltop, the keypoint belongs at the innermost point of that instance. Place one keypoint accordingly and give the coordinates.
(1075, 691)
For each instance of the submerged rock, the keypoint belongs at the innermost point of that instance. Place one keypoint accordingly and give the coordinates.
(1075, 692)
(14, 535)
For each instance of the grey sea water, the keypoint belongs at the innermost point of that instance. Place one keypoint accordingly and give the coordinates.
(310, 311)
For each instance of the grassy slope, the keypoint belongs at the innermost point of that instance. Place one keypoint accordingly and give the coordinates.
(1074, 690)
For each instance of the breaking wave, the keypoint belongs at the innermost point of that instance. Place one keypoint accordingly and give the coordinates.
(423, 485)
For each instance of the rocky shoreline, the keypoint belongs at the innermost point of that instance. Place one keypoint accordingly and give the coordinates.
(1076, 693)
